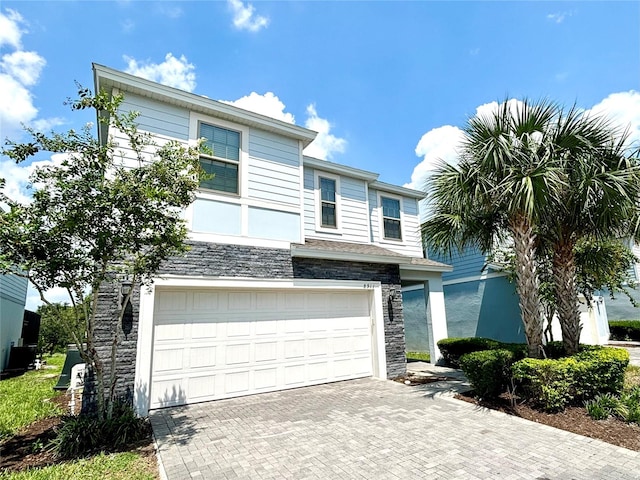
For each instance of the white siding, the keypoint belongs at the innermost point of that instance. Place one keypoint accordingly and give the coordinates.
(352, 210)
(274, 168)
(13, 287)
(411, 243)
(156, 117)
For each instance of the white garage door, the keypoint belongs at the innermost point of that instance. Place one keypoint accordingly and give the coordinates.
(214, 343)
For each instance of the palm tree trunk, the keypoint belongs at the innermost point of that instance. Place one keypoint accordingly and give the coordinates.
(527, 284)
(564, 278)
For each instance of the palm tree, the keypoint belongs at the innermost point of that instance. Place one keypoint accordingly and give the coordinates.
(598, 198)
(501, 187)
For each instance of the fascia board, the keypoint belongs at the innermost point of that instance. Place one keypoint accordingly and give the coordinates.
(108, 77)
(340, 169)
(407, 192)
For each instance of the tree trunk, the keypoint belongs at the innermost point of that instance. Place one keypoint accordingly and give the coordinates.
(527, 284)
(566, 290)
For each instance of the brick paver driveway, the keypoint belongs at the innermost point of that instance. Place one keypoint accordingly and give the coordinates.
(372, 429)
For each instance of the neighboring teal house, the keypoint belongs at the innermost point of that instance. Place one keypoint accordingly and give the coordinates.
(479, 302)
(13, 296)
(620, 308)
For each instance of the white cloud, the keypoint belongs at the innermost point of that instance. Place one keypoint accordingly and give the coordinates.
(438, 144)
(54, 295)
(245, 17)
(325, 144)
(16, 106)
(268, 104)
(169, 11)
(623, 108)
(23, 66)
(11, 28)
(17, 176)
(127, 25)
(19, 70)
(558, 17)
(174, 72)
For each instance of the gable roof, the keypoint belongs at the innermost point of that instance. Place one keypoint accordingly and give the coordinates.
(106, 78)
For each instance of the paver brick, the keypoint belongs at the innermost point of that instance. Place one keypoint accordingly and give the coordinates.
(372, 429)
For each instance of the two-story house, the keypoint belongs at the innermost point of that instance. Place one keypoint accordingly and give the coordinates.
(295, 270)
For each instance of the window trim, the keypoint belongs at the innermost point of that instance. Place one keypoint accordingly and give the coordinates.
(195, 119)
(381, 217)
(318, 203)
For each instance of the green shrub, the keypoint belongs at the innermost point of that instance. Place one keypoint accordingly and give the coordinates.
(625, 330)
(488, 371)
(631, 400)
(453, 348)
(552, 384)
(78, 436)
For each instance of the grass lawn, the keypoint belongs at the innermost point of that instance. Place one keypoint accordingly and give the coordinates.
(25, 399)
(419, 356)
(631, 377)
(127, 465)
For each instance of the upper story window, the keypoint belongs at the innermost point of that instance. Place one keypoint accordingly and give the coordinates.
(328, 203)
(220, 157)
(391, 218)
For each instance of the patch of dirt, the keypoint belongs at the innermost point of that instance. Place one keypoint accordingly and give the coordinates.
(27, 449)
(413, 379)
(573, 419)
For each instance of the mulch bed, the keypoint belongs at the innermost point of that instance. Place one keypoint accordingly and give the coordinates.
(573, 419)
(412, 379)
(28, 449)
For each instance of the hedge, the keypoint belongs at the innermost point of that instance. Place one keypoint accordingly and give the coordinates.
(488, 371)
(453, 348)
(625, 330)
(554, 384)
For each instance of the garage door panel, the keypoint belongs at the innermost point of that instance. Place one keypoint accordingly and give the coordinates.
(202, 357)
(169, 360)
(224, 343)
(237, 354)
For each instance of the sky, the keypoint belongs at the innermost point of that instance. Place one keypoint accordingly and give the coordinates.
(387, 84)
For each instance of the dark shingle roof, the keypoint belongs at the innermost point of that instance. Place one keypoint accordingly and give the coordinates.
(363, 249)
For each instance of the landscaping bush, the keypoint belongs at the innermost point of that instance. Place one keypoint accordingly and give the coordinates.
(453, 348)
(83, 434)
(552, 384)
(625, 330)
(488, 371)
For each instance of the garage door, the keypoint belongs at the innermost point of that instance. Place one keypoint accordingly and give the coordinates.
(213, 343)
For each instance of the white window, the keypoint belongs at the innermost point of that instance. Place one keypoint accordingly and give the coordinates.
(391, 218)
(328, 210)
(327, 202)
(220, 158)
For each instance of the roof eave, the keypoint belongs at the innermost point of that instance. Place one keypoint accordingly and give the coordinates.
(105, 77)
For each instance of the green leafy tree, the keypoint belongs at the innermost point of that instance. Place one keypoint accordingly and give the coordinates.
(108, 212)
(500, 189)
(60, 325)
(598, 200)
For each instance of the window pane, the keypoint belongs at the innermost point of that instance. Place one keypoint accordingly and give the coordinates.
(225, 175)
(328, 214)
(392, 229)
(224, 143)
(328, 189)
(390, 207)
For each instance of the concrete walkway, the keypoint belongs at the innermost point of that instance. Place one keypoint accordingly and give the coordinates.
(373, 429)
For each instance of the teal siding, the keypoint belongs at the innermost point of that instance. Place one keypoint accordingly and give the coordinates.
(468, 263)
(210, 216)
(414, 310)
(620, 308)
(13, 294)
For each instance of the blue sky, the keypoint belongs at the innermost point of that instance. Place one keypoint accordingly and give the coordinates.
(387, 84)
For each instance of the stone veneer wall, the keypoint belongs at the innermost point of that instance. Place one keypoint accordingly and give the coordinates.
(220, 260)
